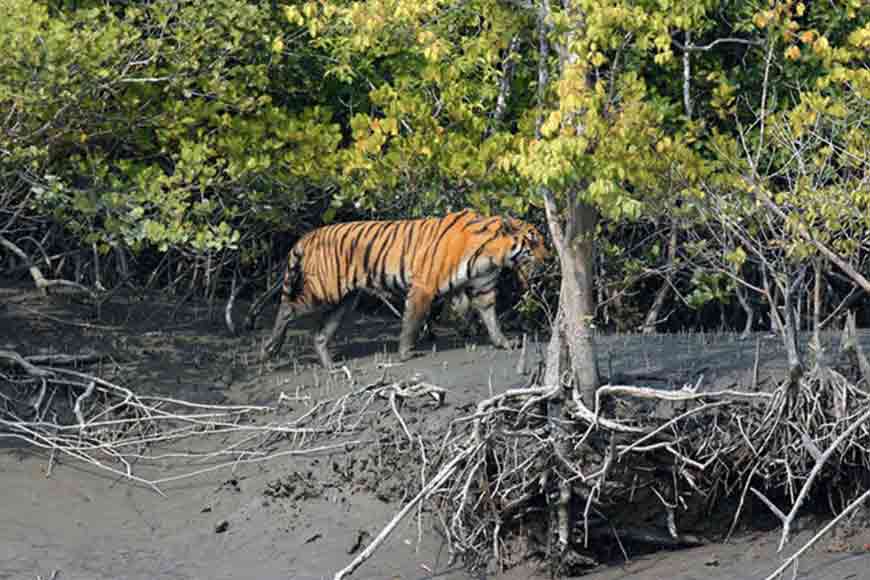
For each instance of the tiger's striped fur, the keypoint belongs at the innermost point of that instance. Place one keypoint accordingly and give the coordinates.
(460, 253)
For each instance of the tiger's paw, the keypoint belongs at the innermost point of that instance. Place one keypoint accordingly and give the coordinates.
(507, 343)
(269, 351)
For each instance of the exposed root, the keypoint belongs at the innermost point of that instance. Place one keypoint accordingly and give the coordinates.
(90, 419)
(528, 472)
(607, 469)
(443, 474)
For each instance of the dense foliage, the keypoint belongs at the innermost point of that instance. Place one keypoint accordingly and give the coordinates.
(716, 139)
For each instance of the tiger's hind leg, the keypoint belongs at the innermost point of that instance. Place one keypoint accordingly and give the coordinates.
(417, 306)
(327, 325)
(451, 310)
(442, 312)
(483, 300)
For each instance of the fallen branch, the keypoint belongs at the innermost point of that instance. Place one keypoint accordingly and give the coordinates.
(821, 460)
(67, 322)
(443, 474)
(42, 283)
(684, 394)
(112, 428)
(820, 534)
(12, 358)
(65, 359)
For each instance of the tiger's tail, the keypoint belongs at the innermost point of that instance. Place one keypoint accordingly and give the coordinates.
(286, 289)
(290, 289)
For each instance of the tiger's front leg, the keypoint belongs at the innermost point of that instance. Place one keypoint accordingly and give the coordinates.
(417, 306)
(329, 322)
(287, 311)
(484, 303)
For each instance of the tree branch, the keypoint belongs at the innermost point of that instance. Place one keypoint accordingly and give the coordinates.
(804, 232)
(689, 47)
(39, 280)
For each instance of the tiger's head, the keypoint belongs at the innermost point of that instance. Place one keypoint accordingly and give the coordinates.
(528, 251)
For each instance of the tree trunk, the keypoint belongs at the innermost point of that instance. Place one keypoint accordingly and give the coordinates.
(818, 304)
(786, 323)
(747, 309)
(577, 298)
(654, 314)
(579, 325)
(790, 333)
(553, 369)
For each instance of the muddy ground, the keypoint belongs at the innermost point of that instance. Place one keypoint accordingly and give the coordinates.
(302, 517)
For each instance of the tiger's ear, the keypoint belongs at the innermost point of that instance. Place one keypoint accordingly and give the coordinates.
(509, 226)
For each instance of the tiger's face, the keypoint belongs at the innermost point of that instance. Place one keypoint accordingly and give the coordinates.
(528, 243)
(530, 251)
(533, 244)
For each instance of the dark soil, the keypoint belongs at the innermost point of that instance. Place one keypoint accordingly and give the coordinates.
(305, 517)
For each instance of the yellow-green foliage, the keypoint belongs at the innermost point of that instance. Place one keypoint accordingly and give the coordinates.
(188, 123)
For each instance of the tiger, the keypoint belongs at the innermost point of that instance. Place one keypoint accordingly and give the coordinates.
(458, 255)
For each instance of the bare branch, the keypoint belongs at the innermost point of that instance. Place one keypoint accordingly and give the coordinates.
(689, 47)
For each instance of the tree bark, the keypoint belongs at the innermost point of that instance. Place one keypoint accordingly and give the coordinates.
(747, 309)
(817, 312)
(580, 328)
(790, 332)
(652, 317)
(577, 298)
